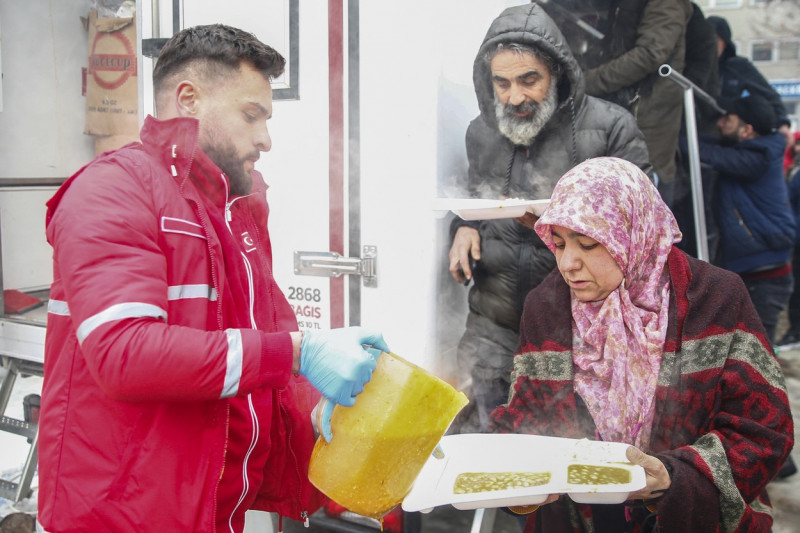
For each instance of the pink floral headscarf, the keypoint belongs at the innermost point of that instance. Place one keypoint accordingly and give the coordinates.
(618, 342)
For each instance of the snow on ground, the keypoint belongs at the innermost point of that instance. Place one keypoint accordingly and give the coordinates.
(15, 448)
(785, 493)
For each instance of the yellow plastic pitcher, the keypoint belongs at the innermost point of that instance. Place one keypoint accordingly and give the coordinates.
(380, 444)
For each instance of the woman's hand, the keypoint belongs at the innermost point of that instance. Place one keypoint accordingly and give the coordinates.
(658, 480)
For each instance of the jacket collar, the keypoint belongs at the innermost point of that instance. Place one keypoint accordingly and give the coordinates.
(174, 143)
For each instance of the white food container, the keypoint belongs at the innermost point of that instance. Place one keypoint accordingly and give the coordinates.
(483, 453)
(484, 209)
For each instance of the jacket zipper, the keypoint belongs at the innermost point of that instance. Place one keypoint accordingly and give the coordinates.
(245, 476)
(248, 267)
(228, 218)
(742, 223)
(507, 184)
(304, 512)
(270, 286)
(251, 292)
(215, 283)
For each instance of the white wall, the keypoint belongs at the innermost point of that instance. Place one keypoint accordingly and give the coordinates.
(417, 99)
(41, 125)
(27, 257)
(44, 46)
(296, 169)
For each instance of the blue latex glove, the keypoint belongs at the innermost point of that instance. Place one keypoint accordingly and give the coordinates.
(338, 364)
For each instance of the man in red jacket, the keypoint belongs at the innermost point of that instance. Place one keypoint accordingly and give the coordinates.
(177, 388)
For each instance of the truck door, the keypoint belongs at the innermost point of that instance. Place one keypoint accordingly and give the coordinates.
(368, 129)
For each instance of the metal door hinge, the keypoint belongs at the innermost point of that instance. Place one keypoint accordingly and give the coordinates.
(333, 265)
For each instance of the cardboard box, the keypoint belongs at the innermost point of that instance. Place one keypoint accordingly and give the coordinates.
(112, 97)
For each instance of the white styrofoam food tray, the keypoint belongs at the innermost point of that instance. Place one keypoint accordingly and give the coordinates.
(482, 453)
(484, 209)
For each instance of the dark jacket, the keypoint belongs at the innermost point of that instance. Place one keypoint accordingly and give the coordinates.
(722, 423)
(793, 182)
(645, 35)
(751, 202)
(513, 258)
(738, 77)
(702, 67)
(642, 36)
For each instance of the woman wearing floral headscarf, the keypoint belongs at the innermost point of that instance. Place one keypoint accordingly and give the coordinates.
(631, 340)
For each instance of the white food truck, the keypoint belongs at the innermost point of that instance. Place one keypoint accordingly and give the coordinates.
(368, 129)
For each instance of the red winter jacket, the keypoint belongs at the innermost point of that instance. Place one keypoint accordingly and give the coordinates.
(165, 331)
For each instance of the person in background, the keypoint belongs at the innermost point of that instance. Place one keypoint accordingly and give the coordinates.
(738, 77)
(751, 205)
(792, 335)
(631, 340)
(535, 123)
(771, 287)
(643, 35)
(791, 158)
(700, 63)
(177, 390)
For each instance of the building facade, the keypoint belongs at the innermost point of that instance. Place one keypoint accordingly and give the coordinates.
(768, 33)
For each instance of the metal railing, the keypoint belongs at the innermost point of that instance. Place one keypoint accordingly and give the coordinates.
(690, 90)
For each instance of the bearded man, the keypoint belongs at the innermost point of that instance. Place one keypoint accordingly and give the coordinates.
(535, 123)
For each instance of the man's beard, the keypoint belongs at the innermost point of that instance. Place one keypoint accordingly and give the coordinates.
(728, 140)
(223, 154)
(522, 130)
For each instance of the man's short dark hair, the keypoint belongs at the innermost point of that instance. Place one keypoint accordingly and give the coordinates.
(553, 66)
(213, 51)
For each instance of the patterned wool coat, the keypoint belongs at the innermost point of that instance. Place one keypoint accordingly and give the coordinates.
(722, 426)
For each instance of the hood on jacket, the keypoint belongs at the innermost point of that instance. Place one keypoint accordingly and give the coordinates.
(723, 30)
(527, 24)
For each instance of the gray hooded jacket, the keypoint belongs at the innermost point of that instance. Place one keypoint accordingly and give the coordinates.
(513, 258)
